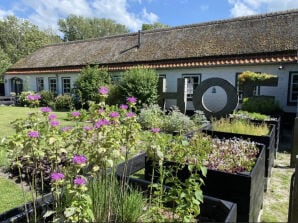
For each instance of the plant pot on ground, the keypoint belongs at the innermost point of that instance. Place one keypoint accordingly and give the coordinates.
(239, 185)
(268, 140)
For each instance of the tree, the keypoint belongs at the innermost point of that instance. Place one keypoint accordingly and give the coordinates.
(156, 25)
(78, 28)
(88, 82)
(140, 83)
(19, 38)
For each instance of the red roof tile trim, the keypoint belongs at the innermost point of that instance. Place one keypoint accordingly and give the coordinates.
(167, 65)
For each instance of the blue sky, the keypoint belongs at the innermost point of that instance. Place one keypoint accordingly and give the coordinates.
(134, 13)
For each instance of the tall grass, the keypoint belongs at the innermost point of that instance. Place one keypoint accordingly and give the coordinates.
(240, 126)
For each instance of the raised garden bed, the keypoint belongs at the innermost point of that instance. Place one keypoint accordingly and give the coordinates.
(245, 189)
(268, 141)
(212, 209)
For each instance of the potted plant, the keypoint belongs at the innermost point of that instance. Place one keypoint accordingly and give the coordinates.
(241, 182)
(260, 133)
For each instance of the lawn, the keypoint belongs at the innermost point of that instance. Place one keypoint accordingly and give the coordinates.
(276, 200)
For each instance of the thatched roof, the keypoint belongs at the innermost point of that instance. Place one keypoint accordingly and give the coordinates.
(268, 33)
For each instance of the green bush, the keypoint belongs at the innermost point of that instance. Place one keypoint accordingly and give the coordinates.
(63, 103)
(47, 98)
(176, 121)
(22, 100)
(261, 104)
(88, 82)
(140, 83)
(151, 117)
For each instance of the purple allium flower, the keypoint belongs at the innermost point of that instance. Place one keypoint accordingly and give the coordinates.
(155, 130)
(54, 123)
(57, 176)
(124, 107)
(131, 100)
(130, 114)
(114, 114)
(46, 109)
(77, 159)
(87, 128)
(52, 116)
(76, 114)
(33, 134)
(66, 128)
(80, 181)
(103, 91)
(101, 122)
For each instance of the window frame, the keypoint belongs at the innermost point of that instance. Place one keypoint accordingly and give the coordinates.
(63, 85)
(290, 101)
(38, 88)
(49, 84)
(189, 97)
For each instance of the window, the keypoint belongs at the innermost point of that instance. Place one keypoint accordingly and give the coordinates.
(53, 84)
(115, 79)
(39, 84)
(293, 88)
(66, 85)
(193, 81)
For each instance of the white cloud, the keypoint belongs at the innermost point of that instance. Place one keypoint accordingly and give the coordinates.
(4, 13)
(249, 7)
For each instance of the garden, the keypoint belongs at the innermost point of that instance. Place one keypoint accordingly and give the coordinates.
(128, 162)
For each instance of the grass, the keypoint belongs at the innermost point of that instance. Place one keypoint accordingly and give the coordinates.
(240, 126)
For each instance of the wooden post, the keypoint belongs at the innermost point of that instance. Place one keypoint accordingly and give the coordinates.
(293, 204)
(181, 95)
(294, 151)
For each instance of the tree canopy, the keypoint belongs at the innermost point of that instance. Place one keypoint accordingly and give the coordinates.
(78, 28)
(19, 38)
(156, 25)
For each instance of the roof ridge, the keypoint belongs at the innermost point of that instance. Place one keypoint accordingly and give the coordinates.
(220, 21)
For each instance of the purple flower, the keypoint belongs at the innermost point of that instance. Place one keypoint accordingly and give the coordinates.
(77, 159)
(103, 91)
(76, 114)
(54, 123)
(101, 122)
(57, 176)
(101, 110)
(87, 128)
(32, 97)
(114, 114)
(131, 100)
(52, 116)
(155, 130)
(66, 128)
(124, 107)
(33, 134)
(130, 114)
(80, 181)
(46, 109)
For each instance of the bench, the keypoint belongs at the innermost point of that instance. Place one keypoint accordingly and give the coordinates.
(7, 100)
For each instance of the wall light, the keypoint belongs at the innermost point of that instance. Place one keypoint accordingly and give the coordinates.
(281, 67)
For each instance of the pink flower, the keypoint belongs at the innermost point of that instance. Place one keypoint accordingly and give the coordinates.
(87, 128)
(46, 109)
(32, 97)
(131, 100)
(155, 130)
(124, 107)
(77, 159)
(52, 116)
(54, 123)
(114, 114)
(80, 181)
(66, 128)
(57, 176)
(101, 110)
(103, 91)
(130, 114)
(33, 134)
(101, 122)
(76, 114)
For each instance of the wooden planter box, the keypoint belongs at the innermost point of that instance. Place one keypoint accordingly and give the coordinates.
(212, 209)
(246, 189)
(18, 214)
(268, 141)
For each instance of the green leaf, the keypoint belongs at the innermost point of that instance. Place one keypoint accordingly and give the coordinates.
(69, 212)
(49, 213)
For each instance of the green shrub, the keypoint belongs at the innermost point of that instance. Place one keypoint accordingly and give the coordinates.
(88, 82)
(140, 83)
(47, 98)
(261, 104)
(22, 100)
(151, 117)
(63, 103)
